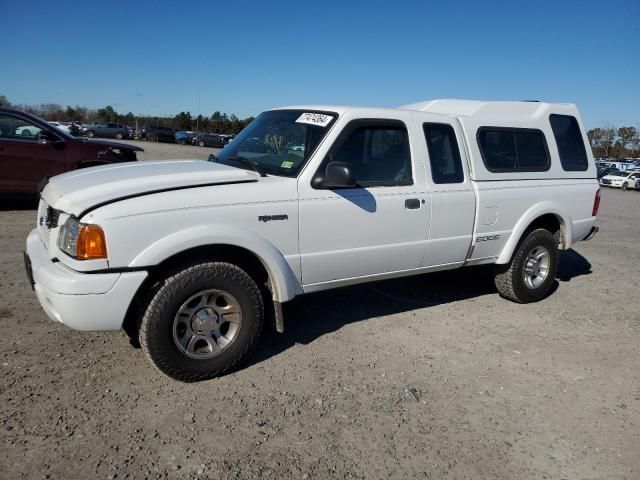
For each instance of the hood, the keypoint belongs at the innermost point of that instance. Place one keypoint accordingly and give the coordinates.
(108, 143)
(80, 190)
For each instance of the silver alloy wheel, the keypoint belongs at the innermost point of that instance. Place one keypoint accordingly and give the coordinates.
(207, 323)
(536, 267)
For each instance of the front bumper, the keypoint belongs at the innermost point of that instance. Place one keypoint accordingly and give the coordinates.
(82, 301)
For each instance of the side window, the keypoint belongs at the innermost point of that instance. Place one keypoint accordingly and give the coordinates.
(498, 149)
(378, 154)
(17, 129)
(444, 155)
(573, 155)
(513, 149)
(531, 150)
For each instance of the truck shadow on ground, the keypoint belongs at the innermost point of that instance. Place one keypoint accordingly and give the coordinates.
(312, 316)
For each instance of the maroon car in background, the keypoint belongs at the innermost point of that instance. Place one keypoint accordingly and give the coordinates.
(31, 149)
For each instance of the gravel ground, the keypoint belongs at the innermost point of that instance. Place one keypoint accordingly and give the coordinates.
(170, 151)
(434, 376)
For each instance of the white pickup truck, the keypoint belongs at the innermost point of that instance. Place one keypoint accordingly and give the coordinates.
(189, 257)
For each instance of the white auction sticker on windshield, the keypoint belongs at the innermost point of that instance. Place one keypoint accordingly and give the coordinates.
(318, 119)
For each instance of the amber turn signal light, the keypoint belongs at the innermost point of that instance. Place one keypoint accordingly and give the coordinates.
(91, 244)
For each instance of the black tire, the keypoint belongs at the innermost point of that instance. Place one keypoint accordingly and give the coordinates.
(119, 136)
(509, 278)
(201, 144)
(91, 134)
(156, 328)
(625, 186)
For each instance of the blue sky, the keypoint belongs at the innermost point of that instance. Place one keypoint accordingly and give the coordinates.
(243, 57)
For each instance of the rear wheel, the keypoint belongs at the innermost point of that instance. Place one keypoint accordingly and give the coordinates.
(203, 320)
(532, 270)
(119, 136)
(201, 144)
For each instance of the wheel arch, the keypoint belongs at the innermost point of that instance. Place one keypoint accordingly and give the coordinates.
(543, 215)
(225, 243)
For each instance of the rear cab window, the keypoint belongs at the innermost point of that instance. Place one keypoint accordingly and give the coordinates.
(444, 154)
(571, 149)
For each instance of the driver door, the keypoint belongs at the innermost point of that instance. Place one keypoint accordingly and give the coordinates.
(378, 227)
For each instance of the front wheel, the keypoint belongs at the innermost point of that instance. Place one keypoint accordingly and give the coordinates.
(118, 136)
(625, 186)
(204, 319)
(91, 134)
(532, 270)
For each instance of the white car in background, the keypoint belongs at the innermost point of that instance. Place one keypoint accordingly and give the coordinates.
(28, 131)
(629, 179)
(61, 126)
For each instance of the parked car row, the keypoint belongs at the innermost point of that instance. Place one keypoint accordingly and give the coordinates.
(151, 133)
(106, 130)
(623, 179)
(154, 133)
(202, 139)
(211, 140)
(626, 164)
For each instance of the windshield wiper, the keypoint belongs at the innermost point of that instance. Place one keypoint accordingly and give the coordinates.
(245, 161)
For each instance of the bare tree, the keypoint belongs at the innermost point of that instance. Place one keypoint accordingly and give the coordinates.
(595, 137)
(608, 136)
(627, 135)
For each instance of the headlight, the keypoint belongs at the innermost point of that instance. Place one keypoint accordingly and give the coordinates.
(82, 241)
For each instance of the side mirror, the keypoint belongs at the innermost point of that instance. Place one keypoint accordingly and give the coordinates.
(46, 137)
(336, 175)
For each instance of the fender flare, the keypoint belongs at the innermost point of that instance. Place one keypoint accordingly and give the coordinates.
(284, 282)
(535, 212)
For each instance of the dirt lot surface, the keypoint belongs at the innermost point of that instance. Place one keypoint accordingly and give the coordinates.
(434, 376)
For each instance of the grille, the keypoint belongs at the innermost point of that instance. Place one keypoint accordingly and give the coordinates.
(47, 219)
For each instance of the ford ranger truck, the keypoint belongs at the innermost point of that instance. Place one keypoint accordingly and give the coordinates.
(190, 257)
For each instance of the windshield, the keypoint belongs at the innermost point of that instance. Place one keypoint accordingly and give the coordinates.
(618, 173)
(278, 142)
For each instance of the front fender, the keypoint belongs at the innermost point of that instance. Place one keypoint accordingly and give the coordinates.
(535, 212)
(284, 282)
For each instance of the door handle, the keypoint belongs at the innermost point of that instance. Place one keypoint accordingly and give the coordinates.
(412, 203)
